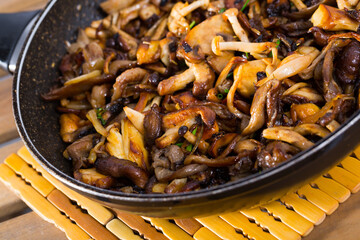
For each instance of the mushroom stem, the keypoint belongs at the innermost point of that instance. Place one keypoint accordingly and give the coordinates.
(231, 16)
(218, 45)
(193, 6)
(264, 47)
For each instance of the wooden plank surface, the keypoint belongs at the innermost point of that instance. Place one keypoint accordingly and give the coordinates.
(7, 123)
(30, 227)
(10, 204)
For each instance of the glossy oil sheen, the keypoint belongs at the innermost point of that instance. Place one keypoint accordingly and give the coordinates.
(38, 125)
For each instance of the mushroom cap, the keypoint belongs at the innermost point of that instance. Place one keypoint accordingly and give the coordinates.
(215, 45)
(232, 12)
(197, 44)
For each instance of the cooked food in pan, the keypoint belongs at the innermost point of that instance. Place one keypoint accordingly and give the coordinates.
(174, 96)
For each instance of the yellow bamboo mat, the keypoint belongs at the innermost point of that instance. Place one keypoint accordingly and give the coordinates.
(291, 217)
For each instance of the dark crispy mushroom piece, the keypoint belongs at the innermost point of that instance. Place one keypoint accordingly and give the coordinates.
(320, 36)
(330, 87)
(118, 168)
(79, 150)
(348, 64)
(273, 104)
(76, 88)
(152, 125)
(274, 153)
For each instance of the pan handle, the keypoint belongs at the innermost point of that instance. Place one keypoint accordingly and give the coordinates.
(13, 32)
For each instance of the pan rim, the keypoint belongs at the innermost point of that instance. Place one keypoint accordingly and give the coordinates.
(240, 186)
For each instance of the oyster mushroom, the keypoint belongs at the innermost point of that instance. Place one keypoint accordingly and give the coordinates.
(257, 110)
(134, 145)
(137, 118)
(289, 136)
(293, 64)
(312, 129)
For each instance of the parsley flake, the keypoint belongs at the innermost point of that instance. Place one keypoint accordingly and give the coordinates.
(99, 115)
(222, 10)
(245, 5)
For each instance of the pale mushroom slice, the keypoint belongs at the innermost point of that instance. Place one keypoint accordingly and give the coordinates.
(137, 118)
(248, 77)
(333, 19)
(134, 145)
(348, 4)
(196, 46)
(289, 136)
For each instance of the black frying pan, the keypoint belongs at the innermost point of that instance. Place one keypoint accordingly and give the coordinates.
(37, 122)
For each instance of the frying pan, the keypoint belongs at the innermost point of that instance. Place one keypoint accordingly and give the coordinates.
(37, 122)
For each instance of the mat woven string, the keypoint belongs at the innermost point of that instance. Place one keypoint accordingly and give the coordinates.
(291, 217)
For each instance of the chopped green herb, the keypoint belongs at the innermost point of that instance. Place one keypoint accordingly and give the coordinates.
(192, 24)
(245, 5)
(229, 75)
(194, 131)
(189, 147)
(226, 90)
(222, 10)
(247, 55)
(270, 55)
(278, 43)
(220, 96)
(179, 144)
(99, 113)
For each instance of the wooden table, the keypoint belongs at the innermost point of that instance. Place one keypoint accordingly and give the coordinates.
(17, 221)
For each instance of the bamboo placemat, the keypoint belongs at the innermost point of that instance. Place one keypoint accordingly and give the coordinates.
(291, 217)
